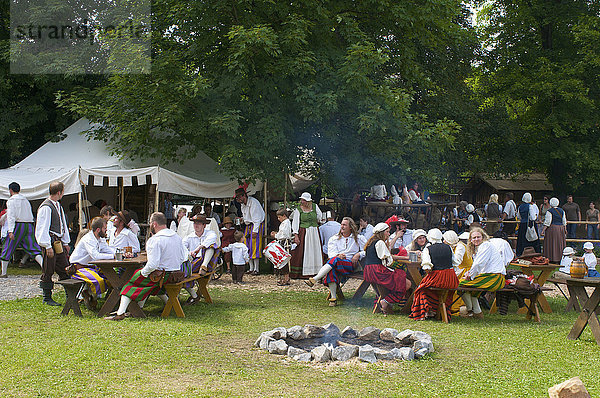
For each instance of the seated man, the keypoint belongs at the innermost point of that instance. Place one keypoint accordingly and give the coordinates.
(203, 246)
(344, 251)
(166, 252)
(121, 235)
(91, 247)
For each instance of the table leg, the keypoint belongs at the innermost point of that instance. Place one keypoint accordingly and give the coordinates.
(586, 315)
(540, 280)
(572, 304)
(116, 282)
(111, 302)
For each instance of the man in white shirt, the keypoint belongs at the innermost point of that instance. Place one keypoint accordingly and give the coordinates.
(327, 230)
(19, 227)
(400, 236)
(52, 234)
(90, 248)
(166, 252)
(345, 250)
(509, 213)
(122, 236)
(254, 218)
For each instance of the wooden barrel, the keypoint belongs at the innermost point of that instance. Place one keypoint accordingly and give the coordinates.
(578, 269)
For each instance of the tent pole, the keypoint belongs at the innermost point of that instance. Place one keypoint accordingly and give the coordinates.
(156, 198)
(121, 194)
(80, 209)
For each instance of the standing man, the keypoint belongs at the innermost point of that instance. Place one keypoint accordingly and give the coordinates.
(573, 213)
(52, 234)
(209, 213)
(509, 213)
(19, 227)
(254, 218)
(327, 230)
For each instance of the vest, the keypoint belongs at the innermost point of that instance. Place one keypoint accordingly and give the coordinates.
(475, 217)
(466, 263)
(441, 256)
(524, 212)
(493, 210)
(308, 219)
(54, 217)
(557, 216)
(371, 256)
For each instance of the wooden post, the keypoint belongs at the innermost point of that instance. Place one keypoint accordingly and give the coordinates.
(80, 210)
(285, 190)
(156, 195)
(266, 204)
(121, 194)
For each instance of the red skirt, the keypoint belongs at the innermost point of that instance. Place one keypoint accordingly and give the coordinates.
(425, 300)
(394, 281)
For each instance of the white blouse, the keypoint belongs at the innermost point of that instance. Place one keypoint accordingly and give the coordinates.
(487, 260)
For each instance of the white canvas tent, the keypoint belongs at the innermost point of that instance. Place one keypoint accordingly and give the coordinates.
(74, 159)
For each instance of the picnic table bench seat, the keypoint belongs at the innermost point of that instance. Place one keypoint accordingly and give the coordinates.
(173, 290)
(72, 288)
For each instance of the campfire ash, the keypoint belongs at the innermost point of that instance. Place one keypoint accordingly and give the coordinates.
(327, 343)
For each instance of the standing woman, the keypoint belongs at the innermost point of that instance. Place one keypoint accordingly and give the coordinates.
(487, 271)
(527, 213)
(554, 232)
(543, 209)
(493, 210)
(377, 259)
(437, 264)
(307, 257)
(591, 215)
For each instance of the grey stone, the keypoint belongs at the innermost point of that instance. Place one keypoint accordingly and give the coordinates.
(313, 331)
(418, 335)
(367, 353)
(331, 329)
(278, 347)
(427, 344)
(405, 337)
(294, 351)
(264, 342)
(420, 353)
(404, 353)
(321, 354)
(383, 354)
(388, 334)
(349, 333)
(306, 357)
(344, 353)
(369, 333)
(296, 333)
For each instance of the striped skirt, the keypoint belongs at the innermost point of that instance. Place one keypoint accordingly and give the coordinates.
(139, 287)
(93, 277)
(197, 263)
(426, 301)
(487, 281)
(340, 269)
(255, 245)
(24, 237)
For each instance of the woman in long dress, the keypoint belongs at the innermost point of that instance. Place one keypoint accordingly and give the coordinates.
(527, 214)
(307, 257)
(554, 232)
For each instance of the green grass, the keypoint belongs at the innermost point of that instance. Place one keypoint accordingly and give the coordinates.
(210, 352)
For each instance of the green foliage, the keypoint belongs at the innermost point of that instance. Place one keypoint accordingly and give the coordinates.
(342, 88)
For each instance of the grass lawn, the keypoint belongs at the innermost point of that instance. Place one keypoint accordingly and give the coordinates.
(210, 352)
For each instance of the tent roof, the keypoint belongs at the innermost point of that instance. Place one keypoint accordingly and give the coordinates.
(76, 158)
(527, 182)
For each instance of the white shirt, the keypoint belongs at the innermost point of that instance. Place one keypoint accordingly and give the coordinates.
(239, 253)
(185, 227)
(285, 230)
(326, 231)
(404, 241)
(253, 213)
(487, 260)
(534, 211)
(378, 192)
(125, 238)
(510, 209)
(18, 209)
(341, 245)
(590, 260)
(504, 249)
(42, 227)
(193, 241)
(383, 253)
(91, 248)
(565, 264)
(296, 218)
(165, 251)
(548, 218)
(367, 232)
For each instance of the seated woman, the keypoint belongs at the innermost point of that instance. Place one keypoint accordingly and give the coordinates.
(121, 235)
(437, 263)
(378, 259)
(419, 241)
(461, 262)
(487, 271)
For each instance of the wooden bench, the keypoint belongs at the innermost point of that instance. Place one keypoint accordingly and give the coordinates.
(572, 304)
(173, 290)
(72, 289)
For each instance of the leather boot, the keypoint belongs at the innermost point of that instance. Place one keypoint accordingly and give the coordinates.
(47, 293)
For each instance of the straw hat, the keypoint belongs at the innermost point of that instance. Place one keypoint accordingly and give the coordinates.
(227, 220)
(450, 237)
(124, 216)
(200, 218)
(306, 196)
(380, 227)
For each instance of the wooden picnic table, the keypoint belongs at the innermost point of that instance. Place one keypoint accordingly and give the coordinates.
(589, 306)
(540, 274)
(129, 265)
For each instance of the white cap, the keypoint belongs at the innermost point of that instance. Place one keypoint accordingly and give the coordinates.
(464, 236)
(527, 197)
(588, 246)
(567, 251)
(470, 208)
(306, 196)
(434, 235)
(380, 227)
(450, 237)
(418, 232)
(554, 202)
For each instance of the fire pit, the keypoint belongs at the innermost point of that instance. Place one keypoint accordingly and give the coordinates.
(327, 343)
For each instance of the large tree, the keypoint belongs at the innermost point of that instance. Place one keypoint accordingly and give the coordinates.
(541, 69)
(342, 87)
